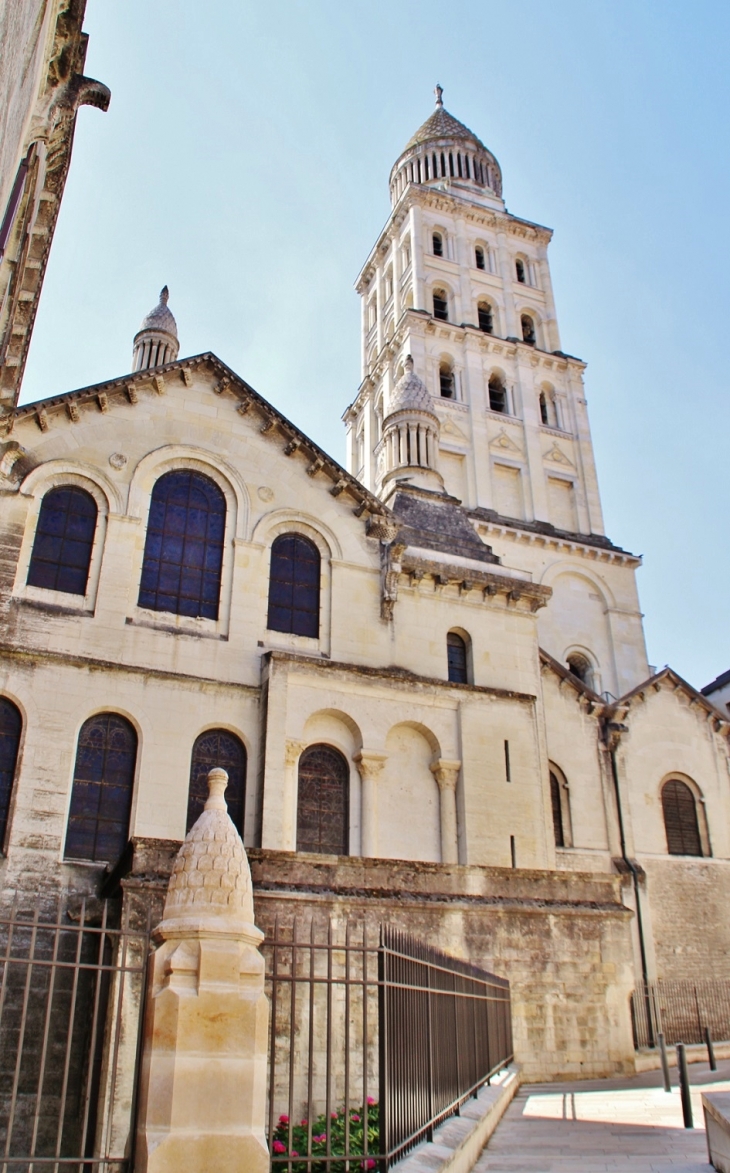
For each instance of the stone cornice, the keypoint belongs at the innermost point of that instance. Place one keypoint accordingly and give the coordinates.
(470, 581)
(593, 546)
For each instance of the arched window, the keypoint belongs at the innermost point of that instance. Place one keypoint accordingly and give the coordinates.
(680, 819)
(183, 551)
(479, 257)
(520, 271)
(218, 748)
(101, 798)
(323, 801)
(581, 667)
(63, 540)
(557, 806)
(440, 305)
(446, 381)
(294, 586)
(485, 316)
(528, 329)
(438, 244)
(544, 408)
(456, 653)
(497, 394)
(11, 724)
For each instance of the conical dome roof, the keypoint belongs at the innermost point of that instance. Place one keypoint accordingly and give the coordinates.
(161, 318)
(442, 125)
(410, 392)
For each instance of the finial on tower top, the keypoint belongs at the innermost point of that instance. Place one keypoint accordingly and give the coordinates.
(164, 294)
(439, 95)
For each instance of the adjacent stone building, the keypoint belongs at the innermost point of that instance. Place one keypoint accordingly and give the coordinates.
(425, 675)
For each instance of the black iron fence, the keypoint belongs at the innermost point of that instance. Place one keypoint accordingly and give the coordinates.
(375, 1039)
(682, 1010)
(71, 992)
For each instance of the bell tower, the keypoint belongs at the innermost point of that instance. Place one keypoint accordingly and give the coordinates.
(462, 285)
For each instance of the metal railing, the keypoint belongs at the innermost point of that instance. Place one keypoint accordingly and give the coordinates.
(71, 1007)
(683, 1010)
(375, 1039)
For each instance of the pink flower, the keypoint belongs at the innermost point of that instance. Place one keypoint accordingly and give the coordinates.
(320, 1139)
(283, 1120)
(355, 1117)
(334, 1115)
(371, 1101)
(294, 1153)
(278, 1147)
(367, 1164)
(303, 1123)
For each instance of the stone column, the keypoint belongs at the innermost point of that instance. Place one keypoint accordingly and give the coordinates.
(203, 1074)
(506, 270)
(419, 294)
(370, 766)
(446, 774)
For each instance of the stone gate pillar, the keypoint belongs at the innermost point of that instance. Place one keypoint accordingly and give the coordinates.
(202, 1094)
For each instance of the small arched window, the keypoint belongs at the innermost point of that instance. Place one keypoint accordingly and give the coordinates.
(218, 748)
(11, 724)
(183, 552)
(294, 586)
(446, 381)
(101, 798)
(456, 653)
(63, 540)
(544, 408)
(528, 329)
(479, 257)
(680, 819)
(581, 667)
(497, 394)
(557, 808)
(486, 317)
(323, 801)
(437, 241)
(440, 305)
(520, 271)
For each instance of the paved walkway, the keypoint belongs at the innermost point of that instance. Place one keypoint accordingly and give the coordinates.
(604, 1126)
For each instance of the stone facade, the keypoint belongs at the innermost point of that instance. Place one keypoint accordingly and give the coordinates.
(452, 776)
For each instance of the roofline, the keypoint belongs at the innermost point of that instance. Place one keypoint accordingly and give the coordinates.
(232, 382)
(719, 682)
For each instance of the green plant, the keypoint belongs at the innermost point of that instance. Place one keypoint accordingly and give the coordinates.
(285, 1150)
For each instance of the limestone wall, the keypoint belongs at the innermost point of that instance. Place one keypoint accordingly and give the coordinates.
(689, 901)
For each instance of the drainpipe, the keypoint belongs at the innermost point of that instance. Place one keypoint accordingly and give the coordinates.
(612, 731)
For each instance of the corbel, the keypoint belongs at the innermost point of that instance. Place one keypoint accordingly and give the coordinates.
(338, 487)
(103, 400)
(244, 405)
(132, 393)
(315, 466)
(465, 586)
(187, 377)
(73, 411)
(159, 383)
(221, 385)
(416, 577)
(361, 508)
(514, 596)
(41, 416)
(292, 446)
(267, 426)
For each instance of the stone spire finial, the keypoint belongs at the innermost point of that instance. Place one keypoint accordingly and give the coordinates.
(164, 295)
(439, 91)
(156, 341)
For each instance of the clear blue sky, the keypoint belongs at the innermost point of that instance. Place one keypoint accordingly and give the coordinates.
(244, 161)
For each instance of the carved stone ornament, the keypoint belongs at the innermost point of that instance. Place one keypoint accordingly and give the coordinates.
(117, 460)
(504, 442)
(382, 528)
(557, 456)
(264, 493)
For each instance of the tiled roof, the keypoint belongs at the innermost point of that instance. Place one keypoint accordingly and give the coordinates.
(442, 125)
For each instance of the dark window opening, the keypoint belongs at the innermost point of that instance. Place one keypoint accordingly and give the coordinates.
(63, 541)
(520, 269)
(323, 801)
(497, 394)
(438, 245)
(440, 306)
(479, 257)
(556, 804)
(101, 798)
(528, 329)
(486, 319)
(680, 819)
(580, 666)
(451, 164)
(218, 748)
(418, 165)
(435, 166)
(456, 654)
(443, 165)
(507, 766)
(543, 408)
(425, 165)
(11, 724)
(294, 586)
(458, 163)
(446, 382)
(466, 160)
(183, 552)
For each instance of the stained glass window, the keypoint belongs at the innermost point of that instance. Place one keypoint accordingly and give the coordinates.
(456, 653)
(323, 821)
(101, 799)
(557, 810)
(680, 819)
(11, 724)
(294, 586)
(215, 748)
(64, 537)
(183, 552)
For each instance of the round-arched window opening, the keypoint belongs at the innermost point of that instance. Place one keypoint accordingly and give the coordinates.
(497, 394)
(440, 305)
(680, 818)
(438, 244)
(479, 257)
(520, 271)
(528, 329)
(581, 667)
(323, 801)
(456, 652)
(485, 317)
(544, 409)
(446, 381)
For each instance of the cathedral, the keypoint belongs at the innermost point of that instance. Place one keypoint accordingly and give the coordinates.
(425, 673)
